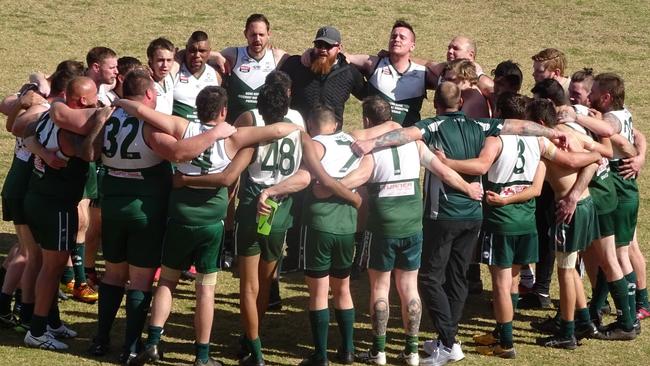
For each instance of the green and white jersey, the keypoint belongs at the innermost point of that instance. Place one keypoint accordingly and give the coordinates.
(106, 95)
(244, 83)
(512, 172)
(404, 91)
(20, 149)
(187, 87)
(213, 160)
(132, 168)
(626, 189)
(65, 184)
(395, 198)
(165, 94)
(625, 118)
(333, 215)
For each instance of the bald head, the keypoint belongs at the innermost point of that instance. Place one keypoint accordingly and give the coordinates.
(447, 97)
(81, 92)
(461, 47)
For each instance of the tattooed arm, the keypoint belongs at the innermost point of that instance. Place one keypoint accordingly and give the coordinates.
(392, 138)
(529, 128)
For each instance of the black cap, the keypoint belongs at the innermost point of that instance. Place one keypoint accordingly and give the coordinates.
(328, 34)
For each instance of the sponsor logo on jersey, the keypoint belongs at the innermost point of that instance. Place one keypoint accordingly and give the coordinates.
(184, 79)
(386, 71)
(244, 68)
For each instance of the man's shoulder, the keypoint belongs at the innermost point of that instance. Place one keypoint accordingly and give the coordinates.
(292, 63)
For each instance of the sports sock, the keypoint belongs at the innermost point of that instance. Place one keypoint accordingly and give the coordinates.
(505, 335)
(411, 344)
(26, 313)
(514, 298)
(378, 343)
(202, 351)
(582, 317)
(5, 303)
(319, 320)
(54, 316)
(137, 307)
(567, 328)
(67, 276)
(598, 294)
(345, 321)
(77, 256)
(624, 316)
(153, 335)
(255, 346)
(631, 291)
(38, 325)
(642, 298)
(110, 298)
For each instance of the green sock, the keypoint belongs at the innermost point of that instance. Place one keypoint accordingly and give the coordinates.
(255, 346)
(582, 316)
(202, 351)
(514, 298)
(618, 290)
(345, 321)
(378, 343)
(78, 264)
(631, 291)
(567, 328)
(67, 276)
(642, 298)
(411, 345)
(505, 335)
(137, 307)
(320, 320)
(154, 334)
(598, 294)
(110, 298)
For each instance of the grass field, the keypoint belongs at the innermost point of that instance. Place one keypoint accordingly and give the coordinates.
(605, 35)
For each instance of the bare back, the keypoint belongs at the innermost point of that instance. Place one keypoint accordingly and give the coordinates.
(562, 178)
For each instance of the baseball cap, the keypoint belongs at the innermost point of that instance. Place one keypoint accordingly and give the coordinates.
(328, 34)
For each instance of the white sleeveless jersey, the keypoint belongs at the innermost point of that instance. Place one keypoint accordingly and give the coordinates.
(625, 118)
(165, 94)
(47, 133)
(277, 160)
(187, 87)
(106, 95)
(404, 91)
(338, 159)
(124, 146)
(248, 75)
(396, 163)
(515, 168)
(213, 160)
(20, 149)
(603, 163)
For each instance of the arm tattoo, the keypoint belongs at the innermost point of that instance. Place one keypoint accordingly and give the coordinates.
(380, 316)
(392, 138)
(414, 317)
(526, 128)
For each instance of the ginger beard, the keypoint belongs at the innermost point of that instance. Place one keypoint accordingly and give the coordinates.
(322, 64)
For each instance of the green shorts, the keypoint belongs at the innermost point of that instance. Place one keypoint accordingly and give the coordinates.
(137, 241)
(325, 252)
(53, 223)
(624, 221)
(249, 243)
(504, 250)
(14, 190)
(13, 209)
(185, 245)
(580, 232)
(386, 254)
(606, 226)
(90, 188)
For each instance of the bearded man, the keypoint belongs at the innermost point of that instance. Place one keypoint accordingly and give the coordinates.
(329, 80)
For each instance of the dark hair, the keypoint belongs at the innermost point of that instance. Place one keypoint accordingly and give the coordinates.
(511, 105)
(126, 64)
(376, 109)
(273, 103)
(75, 67)
(510, 73)
(401, 23)
(447, 95)
(321, 115)
(552, 90)
(209, 102)
(60, 79)
(198, 36)
(614, 85)
(136, 83)
(279, 77)
(99, 54)
(587, 73)
(542, 110)
(159, 44)
(253, 18)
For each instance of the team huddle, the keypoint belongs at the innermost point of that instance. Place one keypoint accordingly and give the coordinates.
(172, 165)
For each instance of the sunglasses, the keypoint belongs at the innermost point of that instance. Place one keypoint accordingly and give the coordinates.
(324, 45)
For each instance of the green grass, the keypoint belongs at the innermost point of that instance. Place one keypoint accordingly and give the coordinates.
(605, 35)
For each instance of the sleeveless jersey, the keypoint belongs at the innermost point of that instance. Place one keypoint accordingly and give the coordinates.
(187, 87)
(404, 91)
(244, 83)
(395, 199)
(333, 215)
(512, 172)
(626, 189)
(625, 118)
(65, 184)
(106, 95)
(132, 168)
(165, 95)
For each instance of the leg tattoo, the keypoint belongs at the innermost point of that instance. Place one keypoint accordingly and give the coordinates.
(380, 316)
(415, 315)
